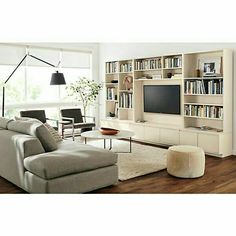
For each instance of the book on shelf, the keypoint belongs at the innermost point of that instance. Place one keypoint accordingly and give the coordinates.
(111, 95)
(148, 64)
(204, 111)
(111, 67)
(173, 62)
(126, 100)
(203, 87)
(127, 67)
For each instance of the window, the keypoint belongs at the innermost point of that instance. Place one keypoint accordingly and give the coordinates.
(71, 75)
(15, 89)
(29, 87)
(38, 86)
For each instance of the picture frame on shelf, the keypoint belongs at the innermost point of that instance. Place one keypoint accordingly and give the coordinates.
(210, 67)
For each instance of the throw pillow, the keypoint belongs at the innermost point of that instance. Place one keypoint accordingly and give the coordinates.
(54, 133)
(4, 122)
(36, 129)
(27, 119)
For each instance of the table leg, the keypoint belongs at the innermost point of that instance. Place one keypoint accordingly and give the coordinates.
(85, 140)
(104, 143)
(130, 144)
(110, 144)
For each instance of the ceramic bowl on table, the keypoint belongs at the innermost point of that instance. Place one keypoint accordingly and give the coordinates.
(108, 131)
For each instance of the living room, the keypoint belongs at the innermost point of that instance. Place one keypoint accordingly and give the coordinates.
(144, 128)
(141, 122)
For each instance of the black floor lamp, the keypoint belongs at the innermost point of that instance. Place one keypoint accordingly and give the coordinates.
(56, 79)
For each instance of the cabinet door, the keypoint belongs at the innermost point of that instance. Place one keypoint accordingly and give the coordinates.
(209, 143)
(138, 131)
(188, 138)
(109, 124)
(151, 134)
(124, 126)
(169, 136)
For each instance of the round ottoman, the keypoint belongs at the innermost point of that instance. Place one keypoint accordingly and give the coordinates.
(185, 161)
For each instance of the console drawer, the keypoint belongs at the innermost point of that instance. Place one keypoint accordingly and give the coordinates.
(152, 134)
(209, 143)
(169, 136)
(188, 138)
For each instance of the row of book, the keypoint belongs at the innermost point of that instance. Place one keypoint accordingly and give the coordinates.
(126, 67)
(111, 94)
(171, 62)
(148, 64)
(203, 87)
(204, 111)
(111, 67)
(126, 100)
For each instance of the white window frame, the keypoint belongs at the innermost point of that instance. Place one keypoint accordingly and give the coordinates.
(57, 105)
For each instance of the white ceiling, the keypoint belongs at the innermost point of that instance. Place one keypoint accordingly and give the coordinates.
(64, 45)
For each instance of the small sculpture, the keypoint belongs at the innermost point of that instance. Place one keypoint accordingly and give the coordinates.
(128, 80)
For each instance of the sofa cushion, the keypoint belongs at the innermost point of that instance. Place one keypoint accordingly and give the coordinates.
(4, 122)
(35, 129)
(69, 158)
(52, 131)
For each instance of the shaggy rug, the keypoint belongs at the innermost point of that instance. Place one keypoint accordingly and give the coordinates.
(143, 159)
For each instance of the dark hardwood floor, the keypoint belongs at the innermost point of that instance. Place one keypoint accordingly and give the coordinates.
(219, 177)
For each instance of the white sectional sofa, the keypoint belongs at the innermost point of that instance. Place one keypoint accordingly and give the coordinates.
(32, 160)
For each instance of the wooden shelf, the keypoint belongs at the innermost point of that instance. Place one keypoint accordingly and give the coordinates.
(172, 68)
(198, 130)
(203, 78)
(164, 79)
(127, 72)
(108, 100)
(125, 91)
(216, 95)
(171, 79)
(114, 73)
(203, 104)
(207, 118)
(125, 108)
(115, 84)
(158, 69)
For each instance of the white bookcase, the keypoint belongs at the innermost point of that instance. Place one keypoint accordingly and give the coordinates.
(205, 101)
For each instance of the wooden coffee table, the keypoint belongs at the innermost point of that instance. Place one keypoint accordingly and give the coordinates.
(96, 134)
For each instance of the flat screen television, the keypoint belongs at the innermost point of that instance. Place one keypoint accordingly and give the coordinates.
(162, 99)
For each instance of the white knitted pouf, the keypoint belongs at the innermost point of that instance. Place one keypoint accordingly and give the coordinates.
(185, 161)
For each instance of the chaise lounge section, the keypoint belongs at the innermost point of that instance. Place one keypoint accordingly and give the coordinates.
(69, 167)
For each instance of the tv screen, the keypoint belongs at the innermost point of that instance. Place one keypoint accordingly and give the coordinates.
(162, 99)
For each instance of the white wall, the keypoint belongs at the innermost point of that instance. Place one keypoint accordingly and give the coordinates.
(119, 51)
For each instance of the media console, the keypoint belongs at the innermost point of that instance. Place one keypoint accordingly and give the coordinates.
(204, 101)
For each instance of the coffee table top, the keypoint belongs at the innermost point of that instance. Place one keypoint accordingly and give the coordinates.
(97, 134)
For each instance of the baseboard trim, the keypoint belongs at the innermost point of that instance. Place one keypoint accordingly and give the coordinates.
(234, 152)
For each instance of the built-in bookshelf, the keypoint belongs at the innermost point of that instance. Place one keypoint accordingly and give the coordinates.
(148, 64)
(203, 111)
(119, 89)
(205, 80)
(126, 99)
(173, 62)
(197, 86)
(112, 67)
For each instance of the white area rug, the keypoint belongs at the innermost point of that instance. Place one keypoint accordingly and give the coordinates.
(143, 159)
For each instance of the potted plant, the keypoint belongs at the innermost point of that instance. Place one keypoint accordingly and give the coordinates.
(84, 91)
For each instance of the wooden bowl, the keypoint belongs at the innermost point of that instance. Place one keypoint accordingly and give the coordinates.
(108, 131)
